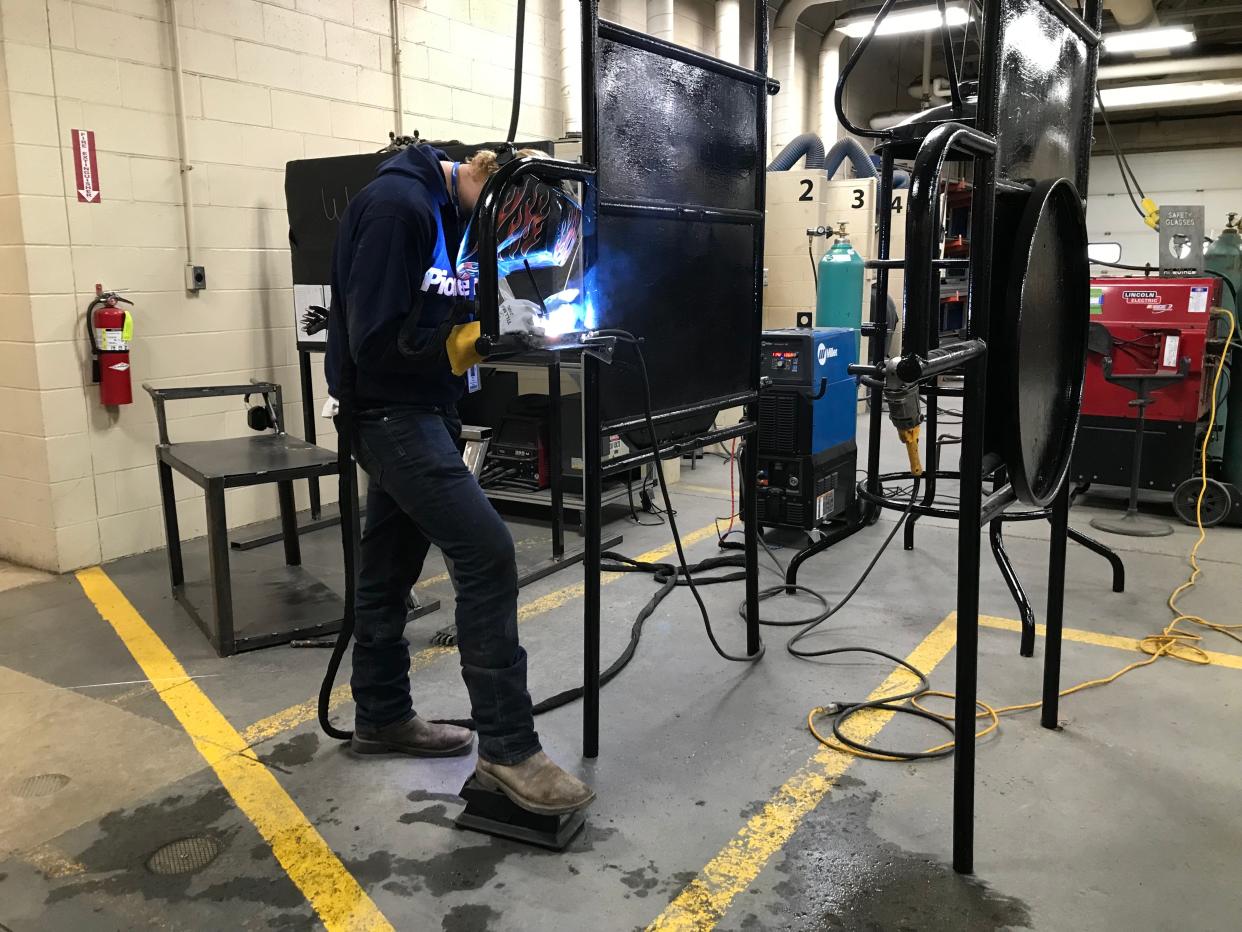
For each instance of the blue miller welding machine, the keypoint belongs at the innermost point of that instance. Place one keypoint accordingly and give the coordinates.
(807, 421)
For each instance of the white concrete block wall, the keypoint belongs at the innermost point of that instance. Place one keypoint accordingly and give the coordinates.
(1200, 176)
(266, 81)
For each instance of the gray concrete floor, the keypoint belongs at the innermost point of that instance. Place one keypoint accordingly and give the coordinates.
(1124, 819)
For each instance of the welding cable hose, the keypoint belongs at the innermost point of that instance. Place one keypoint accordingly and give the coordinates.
(669, 576)
(626, 337)
(1174, 640)
(843, 711)
(348, 498)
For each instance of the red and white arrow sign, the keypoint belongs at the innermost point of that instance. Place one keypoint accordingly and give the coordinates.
(85, 164)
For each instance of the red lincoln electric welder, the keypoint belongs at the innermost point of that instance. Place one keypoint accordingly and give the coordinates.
(1148, 326)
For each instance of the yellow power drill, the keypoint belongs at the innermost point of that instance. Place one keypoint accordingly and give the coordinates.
(906, 414)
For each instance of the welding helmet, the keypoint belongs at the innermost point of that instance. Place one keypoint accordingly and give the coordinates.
(538, 224)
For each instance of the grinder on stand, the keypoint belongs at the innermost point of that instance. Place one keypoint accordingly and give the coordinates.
(905, 412)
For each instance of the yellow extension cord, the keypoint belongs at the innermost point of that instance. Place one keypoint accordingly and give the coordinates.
(1173, 641)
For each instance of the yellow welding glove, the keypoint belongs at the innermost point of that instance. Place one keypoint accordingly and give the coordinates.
(462, 353)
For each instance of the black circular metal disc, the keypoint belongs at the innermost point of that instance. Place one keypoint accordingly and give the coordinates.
(1049, 307)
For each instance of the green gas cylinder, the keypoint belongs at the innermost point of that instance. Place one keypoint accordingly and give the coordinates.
(839, 297)
(1225, 257)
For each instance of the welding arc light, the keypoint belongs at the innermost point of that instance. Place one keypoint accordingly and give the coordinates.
(919, 19)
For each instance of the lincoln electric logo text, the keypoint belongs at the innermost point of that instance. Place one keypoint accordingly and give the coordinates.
(450, 285)
(1140, 297)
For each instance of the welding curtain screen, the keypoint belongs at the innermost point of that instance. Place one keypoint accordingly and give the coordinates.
(673, 133)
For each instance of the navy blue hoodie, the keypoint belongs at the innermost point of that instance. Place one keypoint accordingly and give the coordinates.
(395, 253)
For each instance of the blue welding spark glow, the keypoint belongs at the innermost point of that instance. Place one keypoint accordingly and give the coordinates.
(570, 310)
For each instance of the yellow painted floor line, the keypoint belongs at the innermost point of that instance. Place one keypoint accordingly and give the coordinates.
(304, 712)
(1230, 661)
(316, 870)
(308, 711)
(706, 898)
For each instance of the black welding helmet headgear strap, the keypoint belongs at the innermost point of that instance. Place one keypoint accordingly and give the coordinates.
(505, 153)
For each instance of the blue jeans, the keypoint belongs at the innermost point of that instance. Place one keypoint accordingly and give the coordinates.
(421, 493)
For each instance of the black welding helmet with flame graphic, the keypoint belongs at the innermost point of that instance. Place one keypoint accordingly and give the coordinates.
(538, 225)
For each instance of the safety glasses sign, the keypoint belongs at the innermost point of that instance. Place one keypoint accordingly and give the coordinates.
(85, 165)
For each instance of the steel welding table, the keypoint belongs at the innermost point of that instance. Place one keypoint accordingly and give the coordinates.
(294, 604)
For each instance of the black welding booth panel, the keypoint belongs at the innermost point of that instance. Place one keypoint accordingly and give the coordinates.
(697, 344)
(679, 227)
(674, 132)
(317, 191)
(1045, 118)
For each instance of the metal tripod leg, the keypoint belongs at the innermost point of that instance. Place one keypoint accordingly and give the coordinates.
(1056, 608)
(997, 540)
(969, 530)
(1119, 568)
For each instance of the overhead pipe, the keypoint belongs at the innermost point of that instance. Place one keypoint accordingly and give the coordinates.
(812, 147)
(927, 66)
(808, 144)
(848, 148)
(729, 31)
(790, 104)
(661, 19)
(183, 139)
(394, 13)
(829, 71)
(571, 66)
(1132, 14)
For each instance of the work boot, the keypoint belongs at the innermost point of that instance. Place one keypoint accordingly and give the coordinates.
(416, 737)
(536, 784)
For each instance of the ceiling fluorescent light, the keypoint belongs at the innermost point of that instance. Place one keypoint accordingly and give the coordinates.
(920, 19)
(1152, 95)
(1146, 40)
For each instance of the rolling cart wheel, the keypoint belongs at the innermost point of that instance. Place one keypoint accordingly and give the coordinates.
(1216, 501)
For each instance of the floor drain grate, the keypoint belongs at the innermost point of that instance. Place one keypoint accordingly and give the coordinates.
(42, 784)
(184, 856)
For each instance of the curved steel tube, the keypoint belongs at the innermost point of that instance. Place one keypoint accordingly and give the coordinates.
(489, 203)
(923, 227)
(1119, 568)
(997, 540)
(839, 98)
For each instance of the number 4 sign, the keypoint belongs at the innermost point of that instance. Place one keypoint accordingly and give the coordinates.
(85, 165)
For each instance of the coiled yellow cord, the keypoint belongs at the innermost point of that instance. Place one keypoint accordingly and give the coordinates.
(1173, 641)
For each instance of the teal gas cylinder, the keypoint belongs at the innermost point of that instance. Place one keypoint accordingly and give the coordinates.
(839, 297)
(1225, 256)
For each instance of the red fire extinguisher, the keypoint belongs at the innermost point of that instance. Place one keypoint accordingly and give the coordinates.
(110, 329)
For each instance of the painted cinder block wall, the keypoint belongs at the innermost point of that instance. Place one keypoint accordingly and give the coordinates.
(266, 81)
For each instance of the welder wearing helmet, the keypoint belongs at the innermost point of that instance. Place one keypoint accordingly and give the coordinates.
(396, 293)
